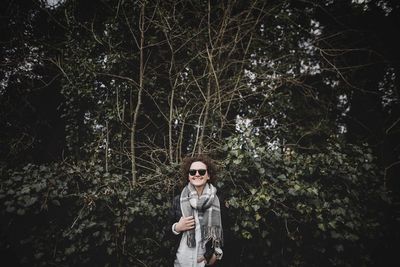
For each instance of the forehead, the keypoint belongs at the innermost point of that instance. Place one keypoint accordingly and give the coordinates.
(198, 165)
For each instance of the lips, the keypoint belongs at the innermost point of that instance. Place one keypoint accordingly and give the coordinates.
(197, 179)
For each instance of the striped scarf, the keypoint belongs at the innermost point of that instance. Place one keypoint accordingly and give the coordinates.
(209, 212)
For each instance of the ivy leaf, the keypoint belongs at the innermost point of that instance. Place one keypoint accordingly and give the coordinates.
(322, 227)
(281, 177)
(56, 202)
(20, 211)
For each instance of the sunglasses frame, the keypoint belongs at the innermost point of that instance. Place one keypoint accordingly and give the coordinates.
(194, 171)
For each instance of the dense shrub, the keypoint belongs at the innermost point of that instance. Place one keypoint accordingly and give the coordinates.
(284, 208)
(81, 216)
(303, 209)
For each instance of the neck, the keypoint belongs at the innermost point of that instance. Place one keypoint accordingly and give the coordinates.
(200, 190)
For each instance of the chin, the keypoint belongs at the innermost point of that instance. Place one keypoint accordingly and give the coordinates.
(198, 183)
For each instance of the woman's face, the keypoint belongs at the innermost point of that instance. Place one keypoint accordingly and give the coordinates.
(198, 174)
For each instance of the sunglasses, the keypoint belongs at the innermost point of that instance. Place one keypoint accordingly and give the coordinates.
(202, 172)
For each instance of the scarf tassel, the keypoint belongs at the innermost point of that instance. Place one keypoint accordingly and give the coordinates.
(213, 233)
(191, 240)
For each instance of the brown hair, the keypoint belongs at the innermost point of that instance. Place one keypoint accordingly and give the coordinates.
(187, 161)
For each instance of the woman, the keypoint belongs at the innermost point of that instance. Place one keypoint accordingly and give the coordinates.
(197, 215)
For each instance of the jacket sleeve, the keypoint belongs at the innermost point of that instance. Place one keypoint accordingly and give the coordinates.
(175, 212)
(174, 215)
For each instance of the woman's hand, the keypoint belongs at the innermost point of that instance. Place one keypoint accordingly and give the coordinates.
(210, 262)
(185, 223)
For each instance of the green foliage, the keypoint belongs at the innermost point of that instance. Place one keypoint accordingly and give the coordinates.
(81, 215)
(284, 206)
(304, 209)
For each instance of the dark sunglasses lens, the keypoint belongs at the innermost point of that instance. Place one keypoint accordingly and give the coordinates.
(201, 172)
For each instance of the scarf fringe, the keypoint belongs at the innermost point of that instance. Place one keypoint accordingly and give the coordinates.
(213, 233)
(191, 240)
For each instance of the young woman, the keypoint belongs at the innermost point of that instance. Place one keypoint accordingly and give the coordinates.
(197, 215)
